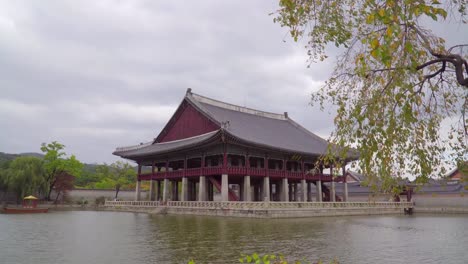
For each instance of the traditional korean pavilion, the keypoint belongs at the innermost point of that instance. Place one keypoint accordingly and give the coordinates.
(246, 154)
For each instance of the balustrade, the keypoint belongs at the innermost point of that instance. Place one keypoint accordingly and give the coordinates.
(256, 205)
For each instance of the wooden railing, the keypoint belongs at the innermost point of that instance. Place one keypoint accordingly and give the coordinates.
(259, 205)
(210, 171)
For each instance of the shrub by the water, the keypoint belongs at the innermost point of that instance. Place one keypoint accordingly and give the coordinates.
(272, 259)
(82, 202)
(100, 200)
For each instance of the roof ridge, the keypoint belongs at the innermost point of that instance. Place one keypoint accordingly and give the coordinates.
(134, 147)
(238, 108)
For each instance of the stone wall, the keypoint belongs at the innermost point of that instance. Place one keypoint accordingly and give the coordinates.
(91, 195)
(453, 203)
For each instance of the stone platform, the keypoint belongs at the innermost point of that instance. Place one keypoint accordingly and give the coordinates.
(262, 209)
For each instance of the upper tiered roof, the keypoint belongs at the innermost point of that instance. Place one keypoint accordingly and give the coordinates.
(249, 126)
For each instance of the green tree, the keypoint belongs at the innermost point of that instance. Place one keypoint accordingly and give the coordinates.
(124, 174)
(24, 176)
(115, 176)
(87, 179)
(394, 83)
(56, 163)
(105, 183)
(463, 168)
(4, 165)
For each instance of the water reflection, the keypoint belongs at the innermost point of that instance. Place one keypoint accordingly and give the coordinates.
(107, 237)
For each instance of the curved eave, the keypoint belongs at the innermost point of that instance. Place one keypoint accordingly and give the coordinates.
(179, 145)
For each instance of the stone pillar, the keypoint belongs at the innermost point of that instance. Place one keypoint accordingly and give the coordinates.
(318, 185)
(202, 190)
(224, 188)
(184, 192)
(266, 189)
(333, 191)
(247, 190)
(285, 190)
(138, 191)
(345, 183)
(345, 191)
(165, 190)
(304, 190)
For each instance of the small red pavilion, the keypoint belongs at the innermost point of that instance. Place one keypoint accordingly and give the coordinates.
(246, 154)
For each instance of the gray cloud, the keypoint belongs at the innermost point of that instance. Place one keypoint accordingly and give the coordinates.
(95, 75)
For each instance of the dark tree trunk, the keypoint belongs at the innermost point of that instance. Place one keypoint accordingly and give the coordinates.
(51, 187)
(56, 198)
(117, 189)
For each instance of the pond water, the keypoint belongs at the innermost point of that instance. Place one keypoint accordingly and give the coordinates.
(117, 237)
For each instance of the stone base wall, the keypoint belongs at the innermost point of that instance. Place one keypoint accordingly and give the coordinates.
(261, 209)
(282, 213)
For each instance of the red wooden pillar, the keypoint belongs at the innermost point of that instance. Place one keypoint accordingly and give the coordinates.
(152, 169)
(265, 164)
(185, 166)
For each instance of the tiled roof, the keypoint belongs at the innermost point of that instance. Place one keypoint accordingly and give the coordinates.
(358, 176)
(165, 146)
(264, 129)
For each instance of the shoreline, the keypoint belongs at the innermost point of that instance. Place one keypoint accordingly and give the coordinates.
(258, 213)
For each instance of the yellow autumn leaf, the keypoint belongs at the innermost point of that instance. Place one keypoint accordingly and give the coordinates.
(389, 31)
(381, 12)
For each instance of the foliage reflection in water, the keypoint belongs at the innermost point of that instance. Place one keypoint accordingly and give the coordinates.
(115, 237)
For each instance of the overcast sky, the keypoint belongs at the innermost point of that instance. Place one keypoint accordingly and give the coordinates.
(95, 75)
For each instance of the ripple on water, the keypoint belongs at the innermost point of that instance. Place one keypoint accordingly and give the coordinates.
(111, 237)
